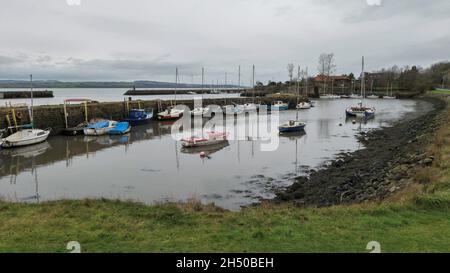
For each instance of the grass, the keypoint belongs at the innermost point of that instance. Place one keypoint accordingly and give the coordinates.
(441, 91)
(415, 220)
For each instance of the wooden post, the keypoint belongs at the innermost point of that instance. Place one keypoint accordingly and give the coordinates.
(65, 115)
(86, 112)
(14, 118)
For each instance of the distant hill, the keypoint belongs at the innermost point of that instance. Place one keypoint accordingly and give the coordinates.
(121, 84)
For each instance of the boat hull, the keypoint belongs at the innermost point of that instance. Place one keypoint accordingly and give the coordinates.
(137, 122)
(96, 132)
(292, 129)
(279, 108)
(9, 142)
(203, 143)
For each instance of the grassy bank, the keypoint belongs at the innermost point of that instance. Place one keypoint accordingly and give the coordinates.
(415, 220)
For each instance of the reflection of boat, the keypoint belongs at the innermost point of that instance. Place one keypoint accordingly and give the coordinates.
(99, 128)
(294, 135)
(76, 130)
(279, 106)
(139, 117)
(120, 128)
(206, 149)
(213, 138)
(27, 151)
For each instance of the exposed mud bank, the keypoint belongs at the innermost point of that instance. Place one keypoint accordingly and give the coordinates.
(386, 165)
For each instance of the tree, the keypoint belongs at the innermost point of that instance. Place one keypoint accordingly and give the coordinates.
(326, 66)
(290, 68)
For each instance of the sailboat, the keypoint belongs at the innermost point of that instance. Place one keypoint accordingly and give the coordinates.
(26, 136)
(293, 125)
(201, 111)
(360, 110)
(304, 105)
(171, 112)
(391, 97)
(250, 107)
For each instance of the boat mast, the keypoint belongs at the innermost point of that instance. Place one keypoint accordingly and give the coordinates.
(306, 83)
(239, 78)
(32, 104)
(253, 83)
(176, 84)
(203, 81)
(298, 92)
(363, 85)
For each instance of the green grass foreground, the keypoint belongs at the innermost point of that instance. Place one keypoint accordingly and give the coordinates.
(415, 220)
(441, 91)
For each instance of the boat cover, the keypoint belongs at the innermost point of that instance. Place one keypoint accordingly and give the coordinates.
(121, 127)
(98, 125)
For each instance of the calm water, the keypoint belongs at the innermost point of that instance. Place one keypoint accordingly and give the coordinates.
(150, 166)
(98, 94)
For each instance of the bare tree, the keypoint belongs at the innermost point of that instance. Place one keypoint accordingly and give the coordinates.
(326, 67)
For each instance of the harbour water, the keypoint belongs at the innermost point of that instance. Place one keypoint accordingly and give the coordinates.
(100, 95)
(149, 166)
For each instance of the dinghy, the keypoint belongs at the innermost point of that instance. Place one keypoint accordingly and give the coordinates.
(99, 128)
(213, 138)
(292, 126)
(120, 128)
(279, 106)
(303, 105)
(139, 117)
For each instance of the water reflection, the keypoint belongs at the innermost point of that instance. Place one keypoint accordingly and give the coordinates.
(149, 165)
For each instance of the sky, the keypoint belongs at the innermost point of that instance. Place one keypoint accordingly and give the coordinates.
(118, 40)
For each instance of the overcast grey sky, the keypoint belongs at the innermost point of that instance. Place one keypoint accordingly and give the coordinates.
(147, 39)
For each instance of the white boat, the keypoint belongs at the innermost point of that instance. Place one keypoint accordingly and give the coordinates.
(303, 105)
(280, 106)
(213, 138)
(355, 96)
(389, 98)
(99, 128)
(373, 97)
(250, 107)
(229, 109)
(330, 96)
(25, 137)
(170, 113)
(360, 110)
(199, 111)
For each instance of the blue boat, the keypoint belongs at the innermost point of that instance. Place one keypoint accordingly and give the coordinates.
(120, 128)
(279, 106)
(139, 117)
(292, 126)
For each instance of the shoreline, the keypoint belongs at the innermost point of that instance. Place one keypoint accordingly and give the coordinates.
(384, 166)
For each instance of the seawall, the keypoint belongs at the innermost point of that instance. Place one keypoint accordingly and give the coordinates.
(52, 116)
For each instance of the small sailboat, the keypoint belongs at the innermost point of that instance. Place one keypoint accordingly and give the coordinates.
(304, 105)
(250, 107)
(360, 110)
(172, 113)
(99, 128)
(139, 117)
(355, 96)
(391, 96)
(373, 96)
(26, 136)
(293, 125)
(213, 138)
(120, 128)
(279, 106)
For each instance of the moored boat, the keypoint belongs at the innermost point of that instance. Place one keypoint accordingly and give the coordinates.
(120, 128)
(373, 97)
(292, 126)
(170, 114)
(213, 138)
(99, 128)
(360, 111)
(303, 105)
(139, 117)
(25, 137)
(199, 111)
(279, 106)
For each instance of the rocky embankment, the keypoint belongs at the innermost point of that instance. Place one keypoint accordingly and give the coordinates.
(386, 165)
